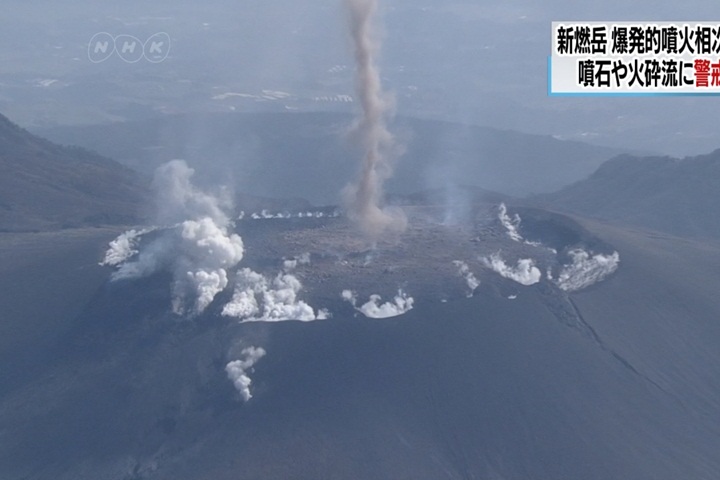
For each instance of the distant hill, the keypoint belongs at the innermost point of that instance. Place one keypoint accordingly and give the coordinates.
(678, 196)
(308, 155)
(46, 186)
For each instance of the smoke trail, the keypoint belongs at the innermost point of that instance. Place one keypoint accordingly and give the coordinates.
(198, 247)
(237, 370)
(363, 200)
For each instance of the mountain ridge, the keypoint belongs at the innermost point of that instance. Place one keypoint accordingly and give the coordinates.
(48, 186)
(267, 153)
(668, 194)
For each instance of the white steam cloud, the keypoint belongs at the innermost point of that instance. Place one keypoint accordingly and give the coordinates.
(197, 249)
(124, 247)
(267, 215)
(512, 227)
(178, 200)
(290, 265)
(524, 273)
(511, 224)
(401, 304)
(237, 371)
(363, 199)
(586, 269)
(258, 299)
(349, 296)
(465, 272)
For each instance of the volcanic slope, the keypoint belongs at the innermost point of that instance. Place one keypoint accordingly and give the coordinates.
(46, 186)
(679, 196)
(516, 382)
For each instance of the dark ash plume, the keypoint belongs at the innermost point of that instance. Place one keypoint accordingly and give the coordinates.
(363, 199)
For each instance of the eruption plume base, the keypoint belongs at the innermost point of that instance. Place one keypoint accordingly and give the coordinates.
(363, 200)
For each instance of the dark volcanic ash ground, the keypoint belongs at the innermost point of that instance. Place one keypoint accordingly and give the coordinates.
(425, 261)
(576, 375)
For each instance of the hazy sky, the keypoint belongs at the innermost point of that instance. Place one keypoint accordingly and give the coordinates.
(481, 62)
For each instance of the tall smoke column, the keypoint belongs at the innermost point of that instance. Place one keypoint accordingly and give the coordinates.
(363, 200)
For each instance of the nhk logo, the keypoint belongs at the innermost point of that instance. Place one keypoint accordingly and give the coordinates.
(129, 48)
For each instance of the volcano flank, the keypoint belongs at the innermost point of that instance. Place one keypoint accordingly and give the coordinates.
(514, 375)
